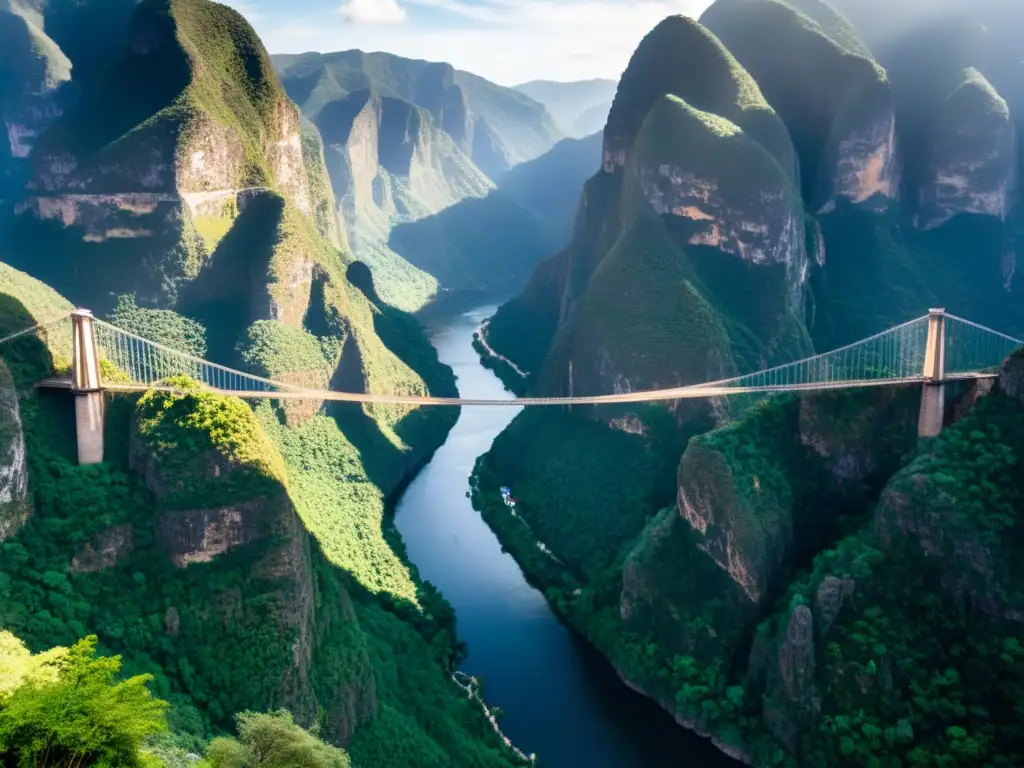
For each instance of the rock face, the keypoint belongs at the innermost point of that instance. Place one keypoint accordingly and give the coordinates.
(34, 92)
(394, 161)
(745, 531)
(971, 162)
(258, 537)
(128, 175)
(696, 196)
(106, 550)
(14, 506)
(834, 99)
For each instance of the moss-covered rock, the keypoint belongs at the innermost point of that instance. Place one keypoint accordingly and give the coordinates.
(833, 97)
(664, 63)
(151, 169)
(971, 161)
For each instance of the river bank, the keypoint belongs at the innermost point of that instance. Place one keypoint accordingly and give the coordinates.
(558, 697)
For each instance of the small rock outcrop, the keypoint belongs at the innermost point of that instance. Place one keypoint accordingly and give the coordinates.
(106, 550)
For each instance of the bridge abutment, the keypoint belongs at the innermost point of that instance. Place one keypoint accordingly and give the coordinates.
(86, 387)
(933, 392)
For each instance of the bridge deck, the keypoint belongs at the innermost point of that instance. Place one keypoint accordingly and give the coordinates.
(681, 393)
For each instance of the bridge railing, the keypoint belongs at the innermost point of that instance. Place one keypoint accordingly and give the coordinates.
(893, 355)
(133, 360)
(973, 348)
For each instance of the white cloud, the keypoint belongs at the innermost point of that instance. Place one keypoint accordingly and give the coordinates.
(507, 41)
(372, 12)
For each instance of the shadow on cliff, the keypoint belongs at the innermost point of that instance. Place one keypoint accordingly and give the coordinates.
(230, 292)
(422, 430)
(479, 243)
(29, 359)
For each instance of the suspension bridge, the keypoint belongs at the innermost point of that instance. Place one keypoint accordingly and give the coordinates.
(931, 350)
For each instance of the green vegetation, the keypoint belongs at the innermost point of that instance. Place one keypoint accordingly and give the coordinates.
(513, 382)
(163, 326)
(213, 229)
(274, 349)
(583, 488)
(67, 707)
(64, 708)
(662, 65)
(909, 654)
(813, 70)
(273, 741)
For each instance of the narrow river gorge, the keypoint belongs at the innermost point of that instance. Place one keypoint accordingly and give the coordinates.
(560, 698)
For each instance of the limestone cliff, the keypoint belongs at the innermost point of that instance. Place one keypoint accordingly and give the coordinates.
(221, 498)
(833, 97)
(14, 504)
(696, 198)
(157, 160)
(33, 90)
(971, 165)
(390, 163)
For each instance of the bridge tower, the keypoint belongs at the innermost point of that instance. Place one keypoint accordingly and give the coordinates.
(87, 388)
(933, 394)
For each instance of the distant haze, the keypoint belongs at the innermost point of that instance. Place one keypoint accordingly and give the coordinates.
(506, 41)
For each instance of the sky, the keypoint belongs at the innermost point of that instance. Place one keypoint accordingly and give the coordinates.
(507, 41)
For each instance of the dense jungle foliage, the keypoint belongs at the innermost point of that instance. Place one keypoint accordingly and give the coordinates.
(888, 635)
(68, 707)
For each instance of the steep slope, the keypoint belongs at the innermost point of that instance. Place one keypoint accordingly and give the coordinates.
(154, 165)
(550, 186)
(492, 244)
(389, 163)
(33, 88)
(494, 126)
(971, 155)
(403, 146)
(833, 97)
(573, 106)
(661, 217)
(950, 241)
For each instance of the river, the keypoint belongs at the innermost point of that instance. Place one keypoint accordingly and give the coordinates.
(560, 698)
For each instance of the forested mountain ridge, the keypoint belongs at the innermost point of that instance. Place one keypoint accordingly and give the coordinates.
(242, 556)
(407, 140)
(753, 569)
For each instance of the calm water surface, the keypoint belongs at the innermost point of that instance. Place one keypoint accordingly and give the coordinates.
(560, 698)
